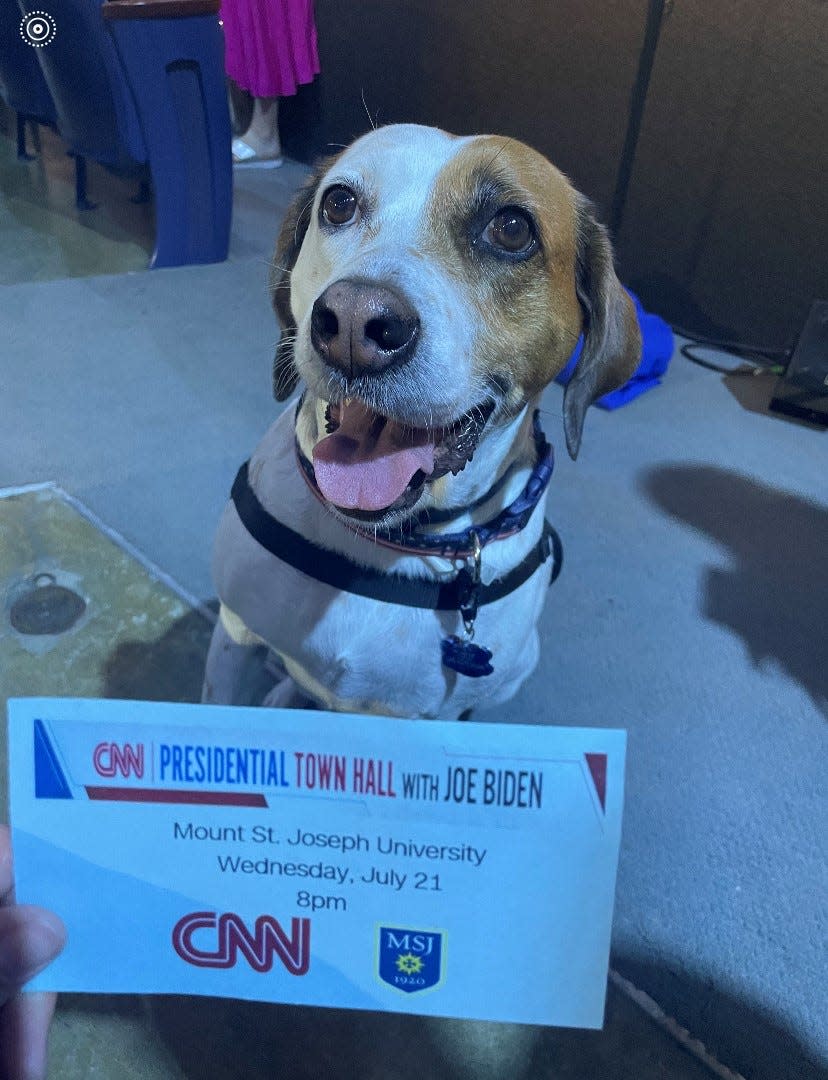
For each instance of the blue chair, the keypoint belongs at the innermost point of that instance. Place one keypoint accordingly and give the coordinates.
(22, 85)
(96, 115)
(139, 85)
(173, 54)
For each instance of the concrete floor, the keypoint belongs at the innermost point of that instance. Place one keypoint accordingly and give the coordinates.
(138, 639)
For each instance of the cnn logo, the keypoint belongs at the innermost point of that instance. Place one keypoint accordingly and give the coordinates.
(110, 759)
(229, 935)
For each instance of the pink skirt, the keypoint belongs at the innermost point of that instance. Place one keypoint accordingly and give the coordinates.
(270, 45)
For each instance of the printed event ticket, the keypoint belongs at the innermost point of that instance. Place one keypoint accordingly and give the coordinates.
(446, 869)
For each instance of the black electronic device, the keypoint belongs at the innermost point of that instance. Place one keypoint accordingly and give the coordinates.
(803, 390)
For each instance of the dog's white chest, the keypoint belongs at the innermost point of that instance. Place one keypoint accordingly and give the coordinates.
(349, 652)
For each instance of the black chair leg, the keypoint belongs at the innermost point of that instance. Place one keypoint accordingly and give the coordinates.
(22, 153)
(143, 195)
(81, 200)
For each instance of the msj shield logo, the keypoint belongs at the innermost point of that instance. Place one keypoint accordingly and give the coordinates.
(410, 960)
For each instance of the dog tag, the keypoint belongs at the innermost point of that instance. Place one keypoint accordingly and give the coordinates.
(462, 655)
(466, 658)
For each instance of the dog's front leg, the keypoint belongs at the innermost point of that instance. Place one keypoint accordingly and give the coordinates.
(234, 673)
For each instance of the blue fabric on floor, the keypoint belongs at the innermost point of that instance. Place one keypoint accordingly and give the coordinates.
(657, 348)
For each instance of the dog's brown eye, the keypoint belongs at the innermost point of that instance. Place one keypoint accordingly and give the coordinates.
(511, 230)
(339, 205)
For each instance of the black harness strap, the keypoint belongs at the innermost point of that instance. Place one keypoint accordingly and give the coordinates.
(342, 573)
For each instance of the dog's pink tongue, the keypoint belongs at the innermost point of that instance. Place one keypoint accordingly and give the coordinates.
(369, 460)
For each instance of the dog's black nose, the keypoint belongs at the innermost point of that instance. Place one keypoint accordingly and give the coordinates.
(357, 326)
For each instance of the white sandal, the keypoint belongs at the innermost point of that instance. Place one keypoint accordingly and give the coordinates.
(244, 154)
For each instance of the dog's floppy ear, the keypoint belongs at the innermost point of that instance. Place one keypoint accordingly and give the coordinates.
(612, 339)
(288, 246)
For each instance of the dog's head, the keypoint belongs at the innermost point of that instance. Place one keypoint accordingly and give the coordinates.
(428, 288)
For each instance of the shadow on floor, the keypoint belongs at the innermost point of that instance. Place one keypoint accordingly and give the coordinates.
(774, 594)
(746, 1036)
(169, 669)
(343, 1045)
(213, 1039)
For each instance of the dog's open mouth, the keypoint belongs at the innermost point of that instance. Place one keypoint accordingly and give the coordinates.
(370, 464)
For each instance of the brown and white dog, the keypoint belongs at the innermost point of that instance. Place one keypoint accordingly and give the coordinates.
(428, 287)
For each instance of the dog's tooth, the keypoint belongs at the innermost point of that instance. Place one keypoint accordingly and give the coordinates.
(330, 424)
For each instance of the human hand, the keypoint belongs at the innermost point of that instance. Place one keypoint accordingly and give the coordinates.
(30, 938)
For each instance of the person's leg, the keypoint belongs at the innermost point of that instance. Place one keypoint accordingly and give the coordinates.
(262, 137)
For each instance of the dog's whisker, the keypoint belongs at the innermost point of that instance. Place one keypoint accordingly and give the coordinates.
(497, 154)
(370, 118)
(285, 270)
